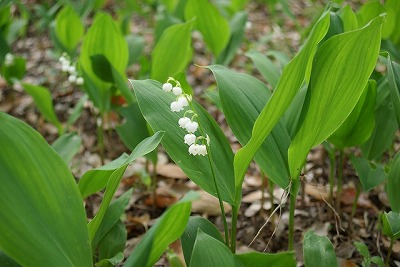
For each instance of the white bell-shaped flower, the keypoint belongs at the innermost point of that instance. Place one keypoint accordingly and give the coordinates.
(190, 139)
(201, 150)
(167, 87)
(193, 149)
(192, 126)
(79, 81)
(176, 106)
(177, 90)
(183, 121)
(183, 100)
(72, 78)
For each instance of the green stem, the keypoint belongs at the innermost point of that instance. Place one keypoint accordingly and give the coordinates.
(354, 208)
(271, 186)
(294, 189)
(332, 163)
(389, 252)
(100, 138)
(235, 212)
(340, 179)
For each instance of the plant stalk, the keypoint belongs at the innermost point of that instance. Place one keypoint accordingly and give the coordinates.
(294, 189)
(235, 213)
(389, 252)
(332, 163)
(100, 137)
(340, 180)
(354, 208)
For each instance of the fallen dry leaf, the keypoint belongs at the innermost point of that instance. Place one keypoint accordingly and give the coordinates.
(208, 205)
(316, 192)
(171, 171)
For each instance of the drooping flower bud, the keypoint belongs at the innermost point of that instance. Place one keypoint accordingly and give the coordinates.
(190, 139)
(79, 81)
(176, 106)
(177, 90)
(167, 87)
(201, 150)
(183, 121)
(183, 100)
(193, 149)
(192, 126)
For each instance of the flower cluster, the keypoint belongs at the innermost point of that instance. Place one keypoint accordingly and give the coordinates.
(66, 66)
(189, 124)
(9, 60)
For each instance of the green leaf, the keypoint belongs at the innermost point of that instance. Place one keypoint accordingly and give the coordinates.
(111, 218)
(188, 237)
(44, 103)
(265, 66)
(362, 249)
(349, 18)
(67, 145)
(136, 46)
(212, 25)
(237, 24)
(16, 71)
(113, 244)
(393, 77)
(393, 184)
(173, 51)
(155, 106)
(391, 224)
(40, 200)
(257, 259)
(335, 87)
(76, 112)
(103, 38)
(369, 173)
(118, 258)
(168, 228)
(241, 108)
(208, 251)
(69, 28)
(7, 261)
(359, 125)
(292, 78)
(134, 128)
(146, 146)
(96, 179)
(385, 124)
(318, 251)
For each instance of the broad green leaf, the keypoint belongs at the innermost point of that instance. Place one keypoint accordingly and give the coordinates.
(213, 26)
(257, 259)
(168, 228)
(371, 10)
(237, 24)
(292, 78)
(134, 128)
(393, 184)
(208, 251)
(173, 51)
(394, 6)
(7, 261)
(241, 108)
(188, 237)
(292, 115)
(44, 103)
(369, 173)
(391, 224)
(76, 112)
(362, 249)
(359, 125)
(155, 106)
(335, 26)
(318, 251)
(96, 179)
(111, 218)
(67, 145)
(113, 244)
(40, 200)
(16, 71)
(393, 77)
(114, 261)
(349, 18)
(69, 28)
(265, 66)
(136, 46)
(146, 146)
(335, 87)
(385, 124)
(103, 38)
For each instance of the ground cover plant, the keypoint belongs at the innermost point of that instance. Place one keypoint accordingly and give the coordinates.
(165, 133)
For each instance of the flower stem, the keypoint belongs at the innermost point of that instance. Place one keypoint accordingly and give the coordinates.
(389, 252)
(100, 137)
(340, 179)
(235, 211)
(294, 189)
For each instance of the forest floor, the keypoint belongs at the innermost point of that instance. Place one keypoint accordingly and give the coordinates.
(314, 209)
